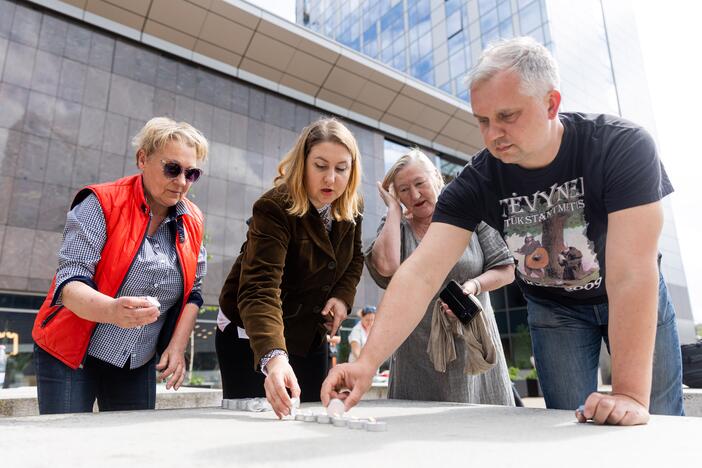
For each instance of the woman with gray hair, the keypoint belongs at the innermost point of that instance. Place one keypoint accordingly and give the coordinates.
(417, 371)
(127, 290)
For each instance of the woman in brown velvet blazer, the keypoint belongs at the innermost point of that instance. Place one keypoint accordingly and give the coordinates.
(297, 272)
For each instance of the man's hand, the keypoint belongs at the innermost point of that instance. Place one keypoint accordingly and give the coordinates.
(280, 378)
(618, 410)
(334, 312)
(132, 312)
(172, 367)
(356, 377)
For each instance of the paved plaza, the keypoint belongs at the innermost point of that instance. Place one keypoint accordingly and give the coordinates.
(419, 434)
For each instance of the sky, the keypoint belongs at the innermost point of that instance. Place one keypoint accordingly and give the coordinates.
(670, 43)
(670, 47)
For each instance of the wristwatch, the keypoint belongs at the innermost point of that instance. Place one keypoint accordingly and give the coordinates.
(268, 356)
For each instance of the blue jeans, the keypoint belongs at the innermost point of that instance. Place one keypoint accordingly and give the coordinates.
(566, 342)
(61, 389)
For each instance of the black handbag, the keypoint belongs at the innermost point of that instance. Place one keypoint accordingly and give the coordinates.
(692, 364)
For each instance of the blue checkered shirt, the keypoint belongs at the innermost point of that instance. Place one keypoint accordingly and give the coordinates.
(154, 272)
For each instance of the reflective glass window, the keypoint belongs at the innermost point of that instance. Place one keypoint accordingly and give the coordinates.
(449, 169)
(457, 64)
(428, 77)
(506, 29)
(500, 316)
(398, 62)
(490, 36)
(414, 52)
(454, 23)
(488, 20)
(504, 10)
(452, 6)
(370, 41)
(485, 5)
(424, 27)
(355, 44)
(418, 12)
(385, 38)
(423, 69)
(530, 17)
(399, 45)
(392, 152)
(413, 34)
(456, 43)
(389, 18)
(386, 55)
(461, 91)
(423, 7)
(425, 45)
(537, 34)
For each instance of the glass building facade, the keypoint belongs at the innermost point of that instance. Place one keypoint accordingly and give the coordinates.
(436, 41)
(432, 40)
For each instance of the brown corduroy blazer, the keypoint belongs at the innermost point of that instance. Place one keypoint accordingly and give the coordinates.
(286, 271)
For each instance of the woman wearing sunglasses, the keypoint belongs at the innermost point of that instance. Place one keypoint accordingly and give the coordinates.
(127, 289)
(297, 272)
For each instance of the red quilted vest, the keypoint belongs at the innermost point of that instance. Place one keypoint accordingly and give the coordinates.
(62, 333)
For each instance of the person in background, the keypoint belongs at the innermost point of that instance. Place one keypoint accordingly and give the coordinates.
(98, 334)
(296, 275)
(414, 183)
(359, 333)
(333, 349)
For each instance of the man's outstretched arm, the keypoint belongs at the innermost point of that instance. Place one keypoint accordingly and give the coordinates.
(632, 289)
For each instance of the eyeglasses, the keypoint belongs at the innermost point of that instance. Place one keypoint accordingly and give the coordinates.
(173, 170)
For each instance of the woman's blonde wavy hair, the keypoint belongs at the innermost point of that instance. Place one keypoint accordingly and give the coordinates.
(291, 170)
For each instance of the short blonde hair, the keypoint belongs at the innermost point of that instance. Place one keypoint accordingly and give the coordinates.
(160, 130)
(291, 170)
(414, 155)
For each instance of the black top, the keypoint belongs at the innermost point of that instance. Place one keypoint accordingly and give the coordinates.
(554, 219)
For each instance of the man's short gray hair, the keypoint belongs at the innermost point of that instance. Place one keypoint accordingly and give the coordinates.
(530, 60)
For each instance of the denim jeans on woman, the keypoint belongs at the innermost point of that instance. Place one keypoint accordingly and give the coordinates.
(566, 341)
(64, 390)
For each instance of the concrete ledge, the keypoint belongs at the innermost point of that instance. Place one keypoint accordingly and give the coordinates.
(22, 401)
(692, 399)
(418, 434)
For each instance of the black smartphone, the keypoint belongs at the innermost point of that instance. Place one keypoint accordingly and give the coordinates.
(464, 306)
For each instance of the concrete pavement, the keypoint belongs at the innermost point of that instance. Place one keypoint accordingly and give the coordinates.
(419, 434)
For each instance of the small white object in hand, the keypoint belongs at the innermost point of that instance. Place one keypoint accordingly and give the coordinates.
(335, 407)
(293, 409)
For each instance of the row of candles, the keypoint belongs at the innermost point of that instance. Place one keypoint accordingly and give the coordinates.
(370, 424)
(334, 413)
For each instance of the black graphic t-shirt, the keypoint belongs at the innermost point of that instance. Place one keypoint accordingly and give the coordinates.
(554, 219)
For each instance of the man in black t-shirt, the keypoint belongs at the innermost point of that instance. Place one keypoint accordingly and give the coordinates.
(574, 195)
